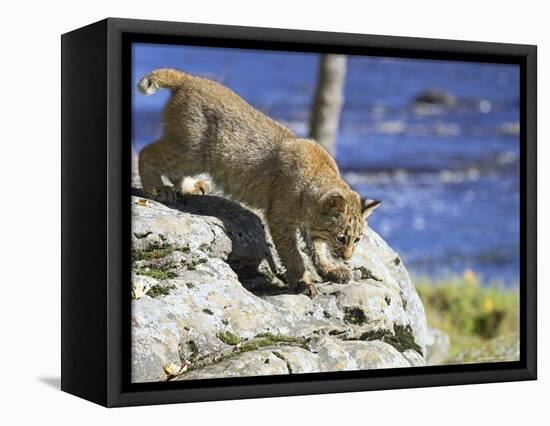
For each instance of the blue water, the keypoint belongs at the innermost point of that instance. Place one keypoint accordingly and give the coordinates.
(448, 178)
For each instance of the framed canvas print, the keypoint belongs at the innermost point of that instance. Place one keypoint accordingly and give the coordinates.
(253, 212)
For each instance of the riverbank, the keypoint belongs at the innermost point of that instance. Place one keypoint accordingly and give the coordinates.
(481, 319)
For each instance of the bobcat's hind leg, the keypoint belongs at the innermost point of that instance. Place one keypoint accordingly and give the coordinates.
(151, 168)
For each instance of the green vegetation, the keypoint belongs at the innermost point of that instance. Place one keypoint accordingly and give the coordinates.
(229, 338)
(160, 290)
(156, 250)
(159, 272)
(239, 346)
(193, 349)
(401, 339)
(475, 317)
(269, 339)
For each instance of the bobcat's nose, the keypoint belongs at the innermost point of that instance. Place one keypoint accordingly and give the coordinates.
(346, 254)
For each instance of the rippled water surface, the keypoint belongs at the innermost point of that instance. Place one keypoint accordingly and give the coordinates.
(448, 176)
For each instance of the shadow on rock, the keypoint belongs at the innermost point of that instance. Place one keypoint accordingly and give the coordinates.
(252, 255)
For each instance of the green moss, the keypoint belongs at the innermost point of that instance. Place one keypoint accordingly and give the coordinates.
(225, 321)
(269, 339)
(354, 316)
(190, 285)
(191, 265)
(261, 340)
(157, 274)
(208, 311)
(157, 271)
(160, 290)
(401, 339)
(193, 349)
(280, 338)
(229, 338)
(154, 251)
(366, 274)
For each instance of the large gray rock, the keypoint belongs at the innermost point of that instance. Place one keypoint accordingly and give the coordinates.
(208, 299)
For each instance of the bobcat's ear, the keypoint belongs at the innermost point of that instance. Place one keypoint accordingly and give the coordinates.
(369, 206)
(334, 202)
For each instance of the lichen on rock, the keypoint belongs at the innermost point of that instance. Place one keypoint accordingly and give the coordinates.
(209, 300)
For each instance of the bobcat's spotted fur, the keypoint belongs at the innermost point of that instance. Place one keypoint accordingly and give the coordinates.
(256, 160)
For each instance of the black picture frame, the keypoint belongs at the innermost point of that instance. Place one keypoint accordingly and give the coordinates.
(96, 212)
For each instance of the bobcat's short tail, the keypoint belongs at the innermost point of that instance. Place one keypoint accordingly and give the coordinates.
(163, 78)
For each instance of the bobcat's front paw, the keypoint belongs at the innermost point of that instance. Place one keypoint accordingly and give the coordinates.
(307, 288)
(340, 275)
(165, 194)
(303, 285)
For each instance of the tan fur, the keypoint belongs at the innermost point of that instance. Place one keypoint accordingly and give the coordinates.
(252, 158)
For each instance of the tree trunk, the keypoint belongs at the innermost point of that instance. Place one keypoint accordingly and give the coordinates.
(329, 97)
(136, 181)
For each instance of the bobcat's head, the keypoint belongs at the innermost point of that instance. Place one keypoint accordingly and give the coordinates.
(341, 221)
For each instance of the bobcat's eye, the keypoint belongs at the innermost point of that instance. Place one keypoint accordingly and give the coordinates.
(357, 240)
(341, 239)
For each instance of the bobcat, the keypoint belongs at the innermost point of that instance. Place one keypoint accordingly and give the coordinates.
(255, 160)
